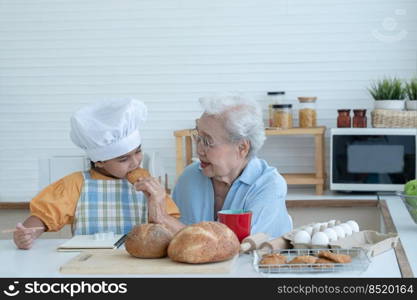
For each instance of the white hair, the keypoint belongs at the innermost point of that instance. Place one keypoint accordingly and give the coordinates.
(242, 118)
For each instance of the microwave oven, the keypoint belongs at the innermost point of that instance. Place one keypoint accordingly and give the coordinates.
(372, 159)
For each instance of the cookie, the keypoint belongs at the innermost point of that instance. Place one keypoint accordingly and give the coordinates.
(337, 258)
(324, 263)
(303, 259)
(273, 259)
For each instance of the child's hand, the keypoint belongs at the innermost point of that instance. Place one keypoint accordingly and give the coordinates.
(24, 237)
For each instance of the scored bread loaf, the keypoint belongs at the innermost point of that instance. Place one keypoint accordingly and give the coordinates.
(148, 241)
(204, 242)
(134, 175)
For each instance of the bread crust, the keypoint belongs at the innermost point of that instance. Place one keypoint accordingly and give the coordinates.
(148, 241)
(203, 243)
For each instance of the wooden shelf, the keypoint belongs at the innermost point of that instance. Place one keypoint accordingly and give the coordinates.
(183, 140)
(299, 178)
(295, 131)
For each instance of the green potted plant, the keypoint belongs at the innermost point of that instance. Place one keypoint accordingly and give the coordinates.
(388, 93)
(411, 91)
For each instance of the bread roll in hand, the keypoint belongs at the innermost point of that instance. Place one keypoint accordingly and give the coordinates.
(134, 175)
(203, 243)
(148, 241)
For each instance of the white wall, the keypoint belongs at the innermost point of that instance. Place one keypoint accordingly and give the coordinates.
(57, 55)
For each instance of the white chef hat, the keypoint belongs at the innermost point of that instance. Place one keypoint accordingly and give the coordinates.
(108, 129)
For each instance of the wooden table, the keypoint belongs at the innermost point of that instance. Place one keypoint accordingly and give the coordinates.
(184, 157)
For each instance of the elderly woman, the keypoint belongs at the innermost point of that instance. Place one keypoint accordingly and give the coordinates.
(229, 175)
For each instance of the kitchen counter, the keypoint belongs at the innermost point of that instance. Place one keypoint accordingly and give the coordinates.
(44, 261)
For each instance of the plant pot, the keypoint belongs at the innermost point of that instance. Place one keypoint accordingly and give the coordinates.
(389, 104)
(411, 104)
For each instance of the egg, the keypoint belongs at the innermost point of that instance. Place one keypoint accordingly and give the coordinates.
(309, 229)
(316, 227)
(302, 237)
(320, 238)
(346, 228)
(331, 234)
(340, 232)
(331, 223)
(354, 225)
(323, 226)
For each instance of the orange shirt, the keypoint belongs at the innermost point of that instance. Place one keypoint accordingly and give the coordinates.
(55, 205)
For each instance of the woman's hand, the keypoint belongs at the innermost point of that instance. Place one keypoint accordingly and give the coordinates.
(156, 194)
(24, 237)
(152, 188)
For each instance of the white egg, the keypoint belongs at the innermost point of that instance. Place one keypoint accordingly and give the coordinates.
(317, 227)
(346, 228)
(331, 223)
(331, 234)
(302, 237)
(309, 229)
(320, 238)
(323, 226)
(354, 225)
(340, 232)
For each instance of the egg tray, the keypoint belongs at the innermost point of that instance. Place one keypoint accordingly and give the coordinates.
(289, 236)
(360, 261)
(372, 242)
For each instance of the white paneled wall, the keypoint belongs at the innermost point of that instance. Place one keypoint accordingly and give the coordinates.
(57, 55)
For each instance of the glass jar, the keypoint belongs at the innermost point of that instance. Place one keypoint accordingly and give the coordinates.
(359, 118)
(343, 119)
(277, 97)
(282, 116)
(307, 114)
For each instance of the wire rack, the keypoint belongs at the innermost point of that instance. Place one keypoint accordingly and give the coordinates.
(359, 263)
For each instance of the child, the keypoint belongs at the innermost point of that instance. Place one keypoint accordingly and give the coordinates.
(101, 199)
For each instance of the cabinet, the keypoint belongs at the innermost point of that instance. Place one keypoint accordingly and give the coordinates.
(184, 152)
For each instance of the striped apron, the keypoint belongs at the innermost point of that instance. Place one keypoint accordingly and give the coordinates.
(108, 206)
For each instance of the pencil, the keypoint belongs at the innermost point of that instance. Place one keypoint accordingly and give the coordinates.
(120, 241)
(14, 229)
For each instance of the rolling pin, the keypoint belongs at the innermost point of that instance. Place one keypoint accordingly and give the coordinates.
(253, 242)
(278, 243)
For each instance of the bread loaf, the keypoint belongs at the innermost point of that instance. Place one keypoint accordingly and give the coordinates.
(148, 241)
(134, 175)
(203, 242)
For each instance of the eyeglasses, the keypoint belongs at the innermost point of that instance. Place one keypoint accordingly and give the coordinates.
(204, 141)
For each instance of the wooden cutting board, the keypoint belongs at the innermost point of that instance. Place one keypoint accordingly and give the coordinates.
(120, 262)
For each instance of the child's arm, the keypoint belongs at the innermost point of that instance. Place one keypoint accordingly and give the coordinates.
(24, 235)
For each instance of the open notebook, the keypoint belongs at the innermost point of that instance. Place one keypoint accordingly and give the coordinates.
(93, 241)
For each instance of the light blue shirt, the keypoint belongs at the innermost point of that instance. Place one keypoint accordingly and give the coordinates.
(260, 189)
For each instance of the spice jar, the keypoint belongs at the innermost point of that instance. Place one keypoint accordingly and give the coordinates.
(277, 97)
(343, 119)
(359, 118)
(282, 116)
(307, 114)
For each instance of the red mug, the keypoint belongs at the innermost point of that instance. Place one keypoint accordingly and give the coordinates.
(239, 221)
